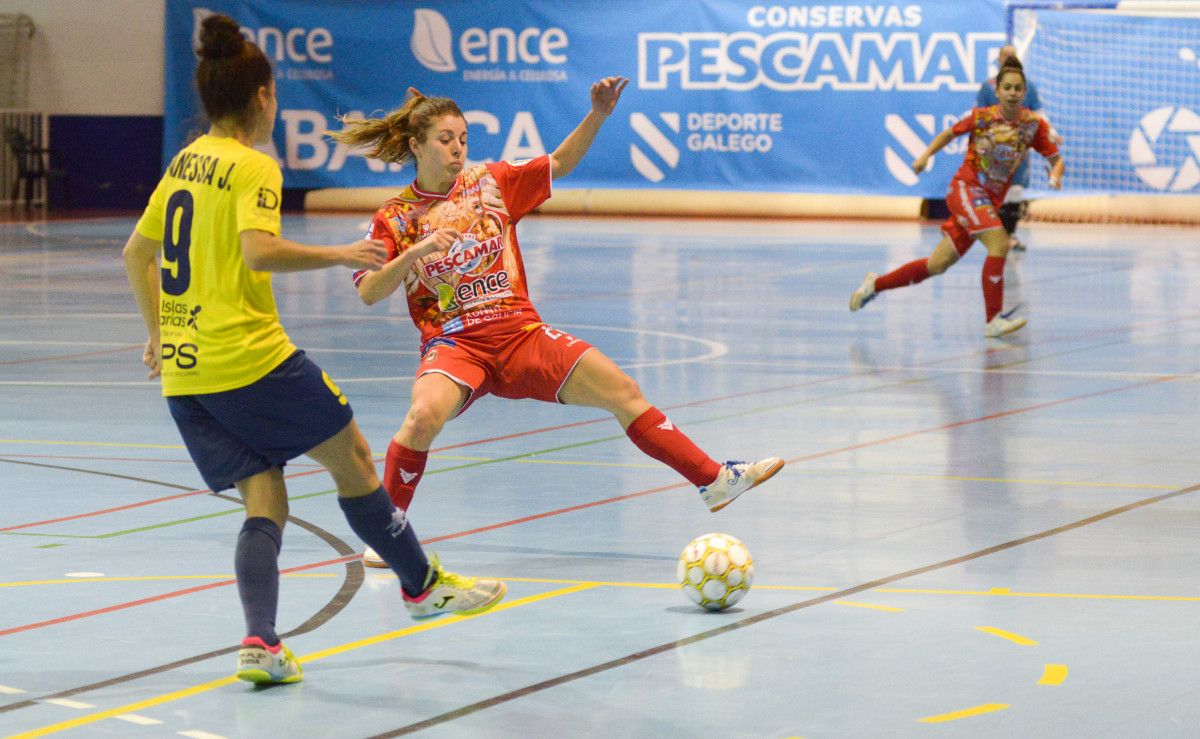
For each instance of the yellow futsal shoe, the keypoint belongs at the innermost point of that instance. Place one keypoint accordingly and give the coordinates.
(263, 665)
(447, 592)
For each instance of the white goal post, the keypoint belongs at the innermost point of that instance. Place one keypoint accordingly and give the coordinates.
(1120, 81)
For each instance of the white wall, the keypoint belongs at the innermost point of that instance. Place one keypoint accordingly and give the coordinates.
(95, 57)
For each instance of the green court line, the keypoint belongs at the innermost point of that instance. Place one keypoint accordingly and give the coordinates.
(693, 422)
(525, 456)
(125, 532)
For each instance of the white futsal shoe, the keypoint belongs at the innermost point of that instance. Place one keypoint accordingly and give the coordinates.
(999, 326)
(865, 292)
(736, 478)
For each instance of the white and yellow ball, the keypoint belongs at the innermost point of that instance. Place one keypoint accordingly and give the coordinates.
(715, 571)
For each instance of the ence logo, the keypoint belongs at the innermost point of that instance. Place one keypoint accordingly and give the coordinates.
(657, 141)
(910, 143)
(295, 45)
(1165, 147)
(433, 44)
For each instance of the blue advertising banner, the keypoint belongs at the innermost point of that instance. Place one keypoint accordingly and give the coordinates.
(797, 96)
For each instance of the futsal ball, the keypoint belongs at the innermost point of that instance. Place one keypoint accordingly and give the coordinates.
(715, 571)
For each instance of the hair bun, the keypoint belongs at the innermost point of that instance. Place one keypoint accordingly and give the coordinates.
(1013, 63)
(220, 38)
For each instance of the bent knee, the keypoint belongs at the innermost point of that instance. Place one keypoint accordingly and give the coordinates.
(626, 391)
(424, 422)
(936, 266)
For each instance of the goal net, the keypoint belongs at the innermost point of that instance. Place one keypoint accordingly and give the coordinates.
(1120, 81)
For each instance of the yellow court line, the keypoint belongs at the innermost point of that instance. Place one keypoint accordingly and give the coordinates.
(1019, 481)
(994, 592)
(54, 442)
(1004, 592)
(446, 621)
(904, 591)
(1053, 675)
(148, 578)
(51, 442)
(80, 580)
(965, 713)
(127, 708)
(1014, 638)
(313, 657)
(871, 606)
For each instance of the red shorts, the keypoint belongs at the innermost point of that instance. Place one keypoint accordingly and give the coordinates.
(971, 213)
(533, 361)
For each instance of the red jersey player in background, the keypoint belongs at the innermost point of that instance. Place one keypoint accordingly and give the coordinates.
(452, 248)
(1001, 135)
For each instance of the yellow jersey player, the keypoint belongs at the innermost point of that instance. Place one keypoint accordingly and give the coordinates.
(245, 399)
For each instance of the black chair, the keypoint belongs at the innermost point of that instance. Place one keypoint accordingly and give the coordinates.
(33, 163)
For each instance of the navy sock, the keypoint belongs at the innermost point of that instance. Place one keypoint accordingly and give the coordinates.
(384, 528)
(256, 562)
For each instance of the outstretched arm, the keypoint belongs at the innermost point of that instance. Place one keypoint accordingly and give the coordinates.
(567, 156)
(266, 252)
(939, 142)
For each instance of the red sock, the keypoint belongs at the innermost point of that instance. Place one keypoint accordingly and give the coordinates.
(993, 286)
(401, 473)
(654, 434)
(903, 276)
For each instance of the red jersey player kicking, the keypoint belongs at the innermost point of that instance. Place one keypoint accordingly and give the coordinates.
(453, 252)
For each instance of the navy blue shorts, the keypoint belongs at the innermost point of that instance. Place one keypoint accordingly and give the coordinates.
(238, 433)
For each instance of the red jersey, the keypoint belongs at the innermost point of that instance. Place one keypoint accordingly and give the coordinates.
(479, 283)
(998, 146)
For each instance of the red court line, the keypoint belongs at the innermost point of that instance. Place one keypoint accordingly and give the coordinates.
(106, 510)
(980, 419)
(605, 501)
(833, 378)
(706, 401)
(556, 512)
(89, 458)
(439, 449)
(156, 598)
(133, 505)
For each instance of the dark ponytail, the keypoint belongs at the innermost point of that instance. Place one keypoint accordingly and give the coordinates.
(230, 71)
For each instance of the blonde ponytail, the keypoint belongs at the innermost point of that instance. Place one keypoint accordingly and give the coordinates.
(386, 138)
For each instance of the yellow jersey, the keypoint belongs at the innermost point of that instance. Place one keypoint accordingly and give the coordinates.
(218, 321)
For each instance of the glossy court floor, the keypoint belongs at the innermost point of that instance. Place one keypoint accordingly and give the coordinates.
(984, 538)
